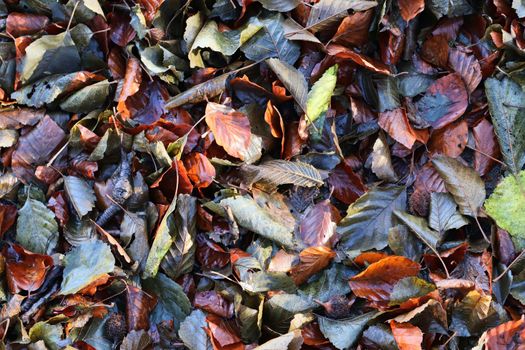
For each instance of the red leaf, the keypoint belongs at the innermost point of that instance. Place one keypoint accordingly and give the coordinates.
(452, 101)
(230, 128)
(509, 335)
(378, 280)
(139, 306)
(411, 8)
(169, 182)
(347, 185)
(131, 85)
(35, 148)
(213, 302)
(353, 30)
(19, 24)
(313, 260)
(25, 270)
(121, 32)
(318, 223)
(467, 66)
(407, 336)
(487, 147)
(450, 140)
(224, 334)
(396, 124)
(435, 50)
(210, 255)
(7, 217)
(362, 60)
(58, 204)
(149, 9)
(200, 170)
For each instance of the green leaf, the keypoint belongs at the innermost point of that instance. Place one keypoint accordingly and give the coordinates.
(46, 90)
(449, 8)
(419, 227)
(410, 287)
(292, 79)
(260, 282)
(250, 319)
(331, 282)
(85, 264)
(507, 108)
(476, 313)
(321, 93)
(271, 42)
(36, 228)
(50, 54)
(194, 24)
(256, 219)
(517, 289)
(404, 243)
(108, 145)
(80, 194)
(280, 172)
(181, 255)
(280, 5)
(162, 242)
(192, 333)
(369, 218)
(463, 182)
(506, 205)
(87, 99)
(173, 304)
(443, 213)
(226, 43)
(344, 333)
(50, 334)
(328, 12)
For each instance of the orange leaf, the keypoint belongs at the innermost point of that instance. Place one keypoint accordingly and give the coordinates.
(411, 8)
(407, 336)
(362, 60)
(396, 124)
(509, 335)
(200, 170)
(131, 85)
(230, 128)
(313, 260)
(25, 270)
(378, 280)
(451, 140)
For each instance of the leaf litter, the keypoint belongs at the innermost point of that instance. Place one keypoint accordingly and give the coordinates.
(262, 174)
